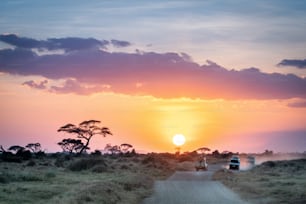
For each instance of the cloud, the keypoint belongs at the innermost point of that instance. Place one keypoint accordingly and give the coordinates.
(36, 85)
(14, 58)
(301, 64)
(21, 42)
(71, 44)
(73, 86)
(67, 44)
(120, 43)
(298, 104)
(167, 75)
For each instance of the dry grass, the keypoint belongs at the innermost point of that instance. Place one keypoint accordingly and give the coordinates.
(82, 180)
(270, 182)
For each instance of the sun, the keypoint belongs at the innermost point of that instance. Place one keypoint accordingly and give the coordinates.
(178, 139)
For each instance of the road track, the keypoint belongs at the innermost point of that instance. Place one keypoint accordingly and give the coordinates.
(192, 187)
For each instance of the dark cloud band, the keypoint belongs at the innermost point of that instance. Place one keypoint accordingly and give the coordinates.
(67, 44)
(298, 104)
(301, 64)
(166, 75)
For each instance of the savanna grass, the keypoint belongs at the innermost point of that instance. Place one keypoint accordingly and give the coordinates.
(85, 179)
(271, 182)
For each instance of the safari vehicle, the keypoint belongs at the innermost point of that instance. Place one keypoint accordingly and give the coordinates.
(201, 165)
(234, 163)
(251, 160)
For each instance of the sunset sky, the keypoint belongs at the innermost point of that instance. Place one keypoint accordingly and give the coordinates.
(227, 74)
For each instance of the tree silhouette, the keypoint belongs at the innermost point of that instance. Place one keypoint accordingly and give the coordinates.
(8, 156)
(125, 148)
(203, 150)
(34, 147)
(216, 153)
(112, 149)
(21, 152)
(177, 150)
(70, 145)
(85, 130)
(2, 149)
(268, 152)
(16, 148)
(226, 154)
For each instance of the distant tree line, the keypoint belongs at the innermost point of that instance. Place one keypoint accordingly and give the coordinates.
(123, 149)
(83, 133)
(18, 153)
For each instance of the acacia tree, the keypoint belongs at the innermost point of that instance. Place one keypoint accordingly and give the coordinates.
(203, 150)
(34, 147)
(70, 145)
(21, 152)
(2, 149)
(16, 148)
(112, 149)
(85, 131)
(125, 148)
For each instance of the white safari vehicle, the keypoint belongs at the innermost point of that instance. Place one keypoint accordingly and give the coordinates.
(201, 165)
(234, 163)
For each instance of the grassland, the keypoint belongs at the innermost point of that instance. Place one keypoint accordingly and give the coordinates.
(90, 179)
(119, 179)
(271, 182)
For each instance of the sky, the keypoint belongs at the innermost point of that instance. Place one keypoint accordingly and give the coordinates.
(229, 75)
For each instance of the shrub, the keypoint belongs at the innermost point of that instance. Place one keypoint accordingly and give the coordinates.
(10, 157)
(40, 154)
(96, 153)
(270, 164)
(185, 157)
(85, 164)
(59, 162)
(25, 155)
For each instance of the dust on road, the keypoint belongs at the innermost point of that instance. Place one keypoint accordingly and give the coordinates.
(191, 187)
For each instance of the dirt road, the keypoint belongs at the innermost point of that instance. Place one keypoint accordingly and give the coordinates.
(191, 187)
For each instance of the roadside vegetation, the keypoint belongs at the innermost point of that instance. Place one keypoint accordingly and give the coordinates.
(61, 178)
(272, 182)
(119, 175)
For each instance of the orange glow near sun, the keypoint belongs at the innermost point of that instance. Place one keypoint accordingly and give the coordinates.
(147, 123)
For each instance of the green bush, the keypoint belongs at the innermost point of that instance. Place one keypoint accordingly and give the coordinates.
(85, 164)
